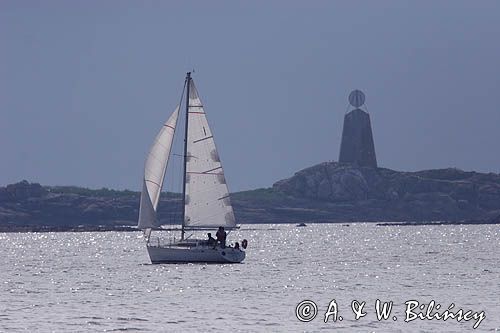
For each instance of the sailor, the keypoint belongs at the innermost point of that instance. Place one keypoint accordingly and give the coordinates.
(211, 241)
(221, 237)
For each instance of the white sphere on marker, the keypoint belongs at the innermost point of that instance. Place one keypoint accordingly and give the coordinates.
(356, 98)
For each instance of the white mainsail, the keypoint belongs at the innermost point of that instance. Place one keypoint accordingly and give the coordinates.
(207, 197)
(154, 172)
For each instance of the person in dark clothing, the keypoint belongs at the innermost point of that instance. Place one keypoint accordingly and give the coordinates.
(211, 241)
(221, 237)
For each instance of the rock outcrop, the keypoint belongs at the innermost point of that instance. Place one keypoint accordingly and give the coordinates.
(327, 192)
(383, 194)
(25, 204)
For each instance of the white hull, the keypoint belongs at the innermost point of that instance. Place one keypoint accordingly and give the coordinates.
(207, 254)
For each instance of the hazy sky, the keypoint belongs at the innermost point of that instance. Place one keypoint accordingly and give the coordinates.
(86, 85)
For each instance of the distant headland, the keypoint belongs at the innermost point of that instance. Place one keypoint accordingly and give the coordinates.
(327, 192)
(353, 190)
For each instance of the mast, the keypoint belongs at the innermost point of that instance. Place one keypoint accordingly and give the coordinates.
(188, 84)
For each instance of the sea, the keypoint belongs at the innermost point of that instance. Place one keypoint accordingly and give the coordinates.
(355, 277)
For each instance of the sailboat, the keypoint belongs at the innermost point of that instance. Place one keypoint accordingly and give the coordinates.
(205, 197)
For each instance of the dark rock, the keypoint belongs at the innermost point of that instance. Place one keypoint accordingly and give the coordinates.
(327, 192)
(21, 191)
(384, 194)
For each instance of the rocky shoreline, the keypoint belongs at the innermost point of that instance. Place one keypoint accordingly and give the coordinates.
(48, 228)
(327, 192)
(124, 228)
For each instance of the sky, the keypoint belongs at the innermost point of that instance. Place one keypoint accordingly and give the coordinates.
(86, 85)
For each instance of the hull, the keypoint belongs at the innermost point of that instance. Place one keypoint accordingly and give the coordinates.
(202, 254)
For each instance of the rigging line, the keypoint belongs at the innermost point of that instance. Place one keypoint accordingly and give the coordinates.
(182, 95)
(174, 186)
(176, 212)
(180, 179)
(171, 216)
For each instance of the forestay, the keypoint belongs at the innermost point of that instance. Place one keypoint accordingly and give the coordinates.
(207, 197)
(154, 172)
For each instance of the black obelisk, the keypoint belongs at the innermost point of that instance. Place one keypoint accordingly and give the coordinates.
(357, 145)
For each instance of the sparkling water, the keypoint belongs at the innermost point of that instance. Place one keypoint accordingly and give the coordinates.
(103, 281)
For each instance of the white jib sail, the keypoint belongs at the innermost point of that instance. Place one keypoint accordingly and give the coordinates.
(207, 196)
(154, 172)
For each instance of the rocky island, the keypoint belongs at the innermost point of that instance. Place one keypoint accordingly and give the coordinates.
(327, 192)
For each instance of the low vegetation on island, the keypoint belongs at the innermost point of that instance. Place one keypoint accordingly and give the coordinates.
(327, 192)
